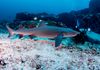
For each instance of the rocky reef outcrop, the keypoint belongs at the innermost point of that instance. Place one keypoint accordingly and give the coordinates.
(24, 16)
(94, 6)
(67, 19)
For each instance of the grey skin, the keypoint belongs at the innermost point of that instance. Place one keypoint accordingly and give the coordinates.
(46, 32)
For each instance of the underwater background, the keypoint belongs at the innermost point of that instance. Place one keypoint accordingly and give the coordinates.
(49, 34)
(8, 8)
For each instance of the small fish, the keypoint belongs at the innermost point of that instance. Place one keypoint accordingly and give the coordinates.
(46, 31)
(77, 24)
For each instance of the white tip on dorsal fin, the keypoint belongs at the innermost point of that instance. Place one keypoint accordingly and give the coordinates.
(42, 23)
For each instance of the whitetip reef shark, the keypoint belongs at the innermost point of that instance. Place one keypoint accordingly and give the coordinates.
(46, 31)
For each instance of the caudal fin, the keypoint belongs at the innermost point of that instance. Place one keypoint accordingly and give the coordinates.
(11, 31)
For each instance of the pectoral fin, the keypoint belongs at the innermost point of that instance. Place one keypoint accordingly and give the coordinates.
(58, 39)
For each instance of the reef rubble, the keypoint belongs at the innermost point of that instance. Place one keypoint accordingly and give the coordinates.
(28, 54)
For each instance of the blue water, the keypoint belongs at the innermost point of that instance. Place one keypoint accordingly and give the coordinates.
(8, 8)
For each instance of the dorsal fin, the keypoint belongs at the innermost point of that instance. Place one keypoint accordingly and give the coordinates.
(42, 23)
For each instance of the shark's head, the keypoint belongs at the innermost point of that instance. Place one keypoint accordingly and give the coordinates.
(71, 33)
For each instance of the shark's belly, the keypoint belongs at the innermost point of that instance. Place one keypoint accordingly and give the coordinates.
(46, 34)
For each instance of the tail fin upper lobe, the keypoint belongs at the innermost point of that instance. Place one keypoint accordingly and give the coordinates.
(11, 31)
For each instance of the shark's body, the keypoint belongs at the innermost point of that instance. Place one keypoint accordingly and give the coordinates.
(46, 31)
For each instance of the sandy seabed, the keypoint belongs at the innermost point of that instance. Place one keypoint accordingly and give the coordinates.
(41, 55)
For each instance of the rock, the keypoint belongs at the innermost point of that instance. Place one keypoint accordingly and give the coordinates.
(92, 21)
(42, 15)
(68, 19)
(94, 6)
(3, 24)
(83, 11)
(2, 63)
(38, 66)
(23, 16)
(79, 39)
